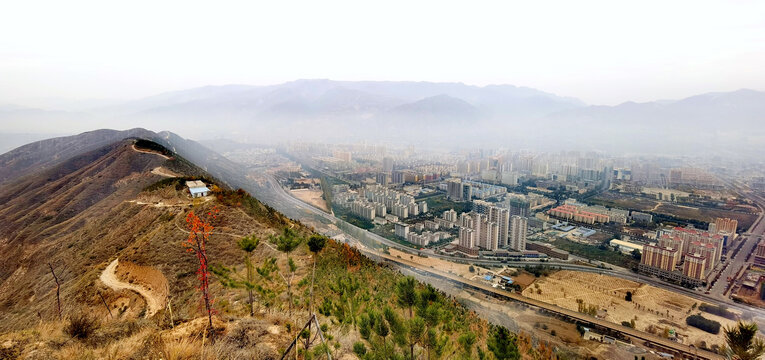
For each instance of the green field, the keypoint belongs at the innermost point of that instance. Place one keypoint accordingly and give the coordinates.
(438, 204)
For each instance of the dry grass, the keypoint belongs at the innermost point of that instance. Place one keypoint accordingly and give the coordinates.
(77, 351)
(247, 338)
(180, 349)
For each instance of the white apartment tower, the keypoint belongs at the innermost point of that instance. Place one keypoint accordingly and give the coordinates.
(518, 227)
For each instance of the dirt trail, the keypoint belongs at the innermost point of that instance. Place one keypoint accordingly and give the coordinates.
(154, 302)
(150, 152)
(157, 204)
(163, 172)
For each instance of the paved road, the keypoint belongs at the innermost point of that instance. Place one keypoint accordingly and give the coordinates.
(750, 239)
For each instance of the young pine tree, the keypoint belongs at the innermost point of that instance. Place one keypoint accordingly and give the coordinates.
(742, 342)
(407, 293)
(228, 277)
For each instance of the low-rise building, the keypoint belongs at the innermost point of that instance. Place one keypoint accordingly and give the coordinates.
(197, 188)
(626, 247)
(574, 213)
(548, 249)
(444, 223)
(641, 217)
(759, 254)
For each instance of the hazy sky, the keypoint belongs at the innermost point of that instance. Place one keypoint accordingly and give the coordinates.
(603, 52)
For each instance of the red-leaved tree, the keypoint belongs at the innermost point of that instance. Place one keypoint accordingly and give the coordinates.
(199, 234)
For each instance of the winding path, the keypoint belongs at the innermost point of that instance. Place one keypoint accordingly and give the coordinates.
(154, 303)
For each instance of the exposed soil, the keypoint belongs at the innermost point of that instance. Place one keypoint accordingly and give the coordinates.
(651, 308)
(312, 197)
(146, 281)
(164, 172)
(447, 266)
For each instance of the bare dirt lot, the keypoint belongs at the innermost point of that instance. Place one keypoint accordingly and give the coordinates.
(447, 266)
(312, 197)
(652, 309)
(524, 279)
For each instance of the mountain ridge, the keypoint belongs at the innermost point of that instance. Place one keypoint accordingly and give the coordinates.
(495, 115)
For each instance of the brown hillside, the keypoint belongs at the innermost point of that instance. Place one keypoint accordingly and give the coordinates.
(45, 154)
(75, 215)
(113, 229)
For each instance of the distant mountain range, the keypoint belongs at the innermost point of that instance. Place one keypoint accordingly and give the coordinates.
(404, 111)
(325, 99)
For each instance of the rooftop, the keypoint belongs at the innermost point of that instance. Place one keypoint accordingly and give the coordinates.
(196, 184)
(199, 190)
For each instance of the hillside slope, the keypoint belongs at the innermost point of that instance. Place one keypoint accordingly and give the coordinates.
(84, 213)
(46, 153)
(75, 214)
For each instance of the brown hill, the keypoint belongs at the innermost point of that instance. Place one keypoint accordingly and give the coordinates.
(44, 154)
(112, 227)
(74, 215)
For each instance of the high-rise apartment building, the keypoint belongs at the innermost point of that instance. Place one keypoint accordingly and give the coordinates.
(398, 177)
(723, 226)
(497, 215)
(454, 189)
(467, 238)
(659, 257)
(363, 209)
(483, 233)
(706, 250)
(517, 238)
(450, 215)
(694, 266)
(413, 209)
(519, 207)
(387, 165)
(383, 178)
(401, 230)
(699, 251)
(400, 210)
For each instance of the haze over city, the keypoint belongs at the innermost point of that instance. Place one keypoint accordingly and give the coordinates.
(398, 180)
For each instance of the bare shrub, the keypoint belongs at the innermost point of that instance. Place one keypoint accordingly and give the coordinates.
(81, 326)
